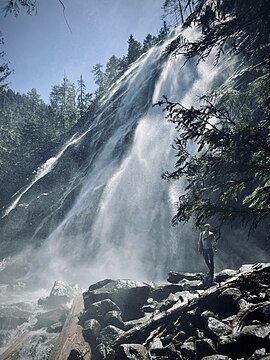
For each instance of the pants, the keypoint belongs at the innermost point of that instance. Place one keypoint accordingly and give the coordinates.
(208, 255)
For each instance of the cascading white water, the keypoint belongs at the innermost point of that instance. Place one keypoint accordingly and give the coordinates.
(125, 230)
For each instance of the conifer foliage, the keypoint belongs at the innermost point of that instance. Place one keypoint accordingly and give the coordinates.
(227, 175)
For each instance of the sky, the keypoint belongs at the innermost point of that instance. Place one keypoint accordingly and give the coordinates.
(42, 48)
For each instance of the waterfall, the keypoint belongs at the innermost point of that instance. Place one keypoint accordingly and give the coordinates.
(119, 224)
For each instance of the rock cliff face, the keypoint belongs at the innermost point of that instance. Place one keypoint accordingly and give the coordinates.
(186, 318)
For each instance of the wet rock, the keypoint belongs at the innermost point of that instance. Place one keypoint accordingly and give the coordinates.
(132, 351)
(61, 293)
(91, 330)
(205, 347)
(189, 285)
(114, 318)
(175, 277)
(11, 270)
(188, 348)
(100, 284)
(49, 318)
(225, 275)
(98, 310)
(258, 354)
(129, 295)
(228, 302)
(207, 314)
(12, 316)
(261, 331)
(166, 305)
(216, 357)
(161, 292)
(55, 328)
(242, 345)
(216, 328)
(109, 334)
(165, 353)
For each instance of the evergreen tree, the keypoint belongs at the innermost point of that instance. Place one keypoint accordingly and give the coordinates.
(99, 78)
(113, 69)
(63, 104)
(134, 50)
(84, 99)
(164, 31)
(149, 42)
(177, 10)
(227, 179)
(13, 6)
(4, 66)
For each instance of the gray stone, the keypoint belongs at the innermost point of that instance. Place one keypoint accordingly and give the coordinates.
(228, 302)
(189, 348)
(61, 293)
(205, 347)
(161, 292)
(260, 331)
(12, 316)
(225, 275)
(258, 354)
(132, 352)
(216, 357)
(49, 318)
(55, 328)
(216, 328)
(175, 277)
(207, 314)
(114, 318)
(91, 330)
(191, 285)
(98, 310)
(129, 295)
(109, 334)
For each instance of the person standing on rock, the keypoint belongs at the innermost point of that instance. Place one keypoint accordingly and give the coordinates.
(206, 247)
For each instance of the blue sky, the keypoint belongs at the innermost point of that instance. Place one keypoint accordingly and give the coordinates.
(41, 48)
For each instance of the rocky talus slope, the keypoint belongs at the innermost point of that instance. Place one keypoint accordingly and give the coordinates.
(186, 318)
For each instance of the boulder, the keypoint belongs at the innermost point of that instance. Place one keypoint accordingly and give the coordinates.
(55, 328)
(161, 292)
(61, 293)
(132, 351)
(216, 357)
(109, 334)
(114, 318)
(129, 295)
(261, 331)
(48, 318)
(190, 285)
(167, 352)
(12, 316)
(216, 328)
(243, 345)
(188, 349)
(100, 284)
(98, 310)
(91, 330)
(175, 277)
(225, 275)
(228, 302)
(205, 347)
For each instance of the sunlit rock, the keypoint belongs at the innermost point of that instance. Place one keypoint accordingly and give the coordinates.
(61, 293)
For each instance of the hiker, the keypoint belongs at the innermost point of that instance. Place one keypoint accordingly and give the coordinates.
(206, 247)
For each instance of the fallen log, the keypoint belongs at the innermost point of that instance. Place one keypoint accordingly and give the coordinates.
(71, 344)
